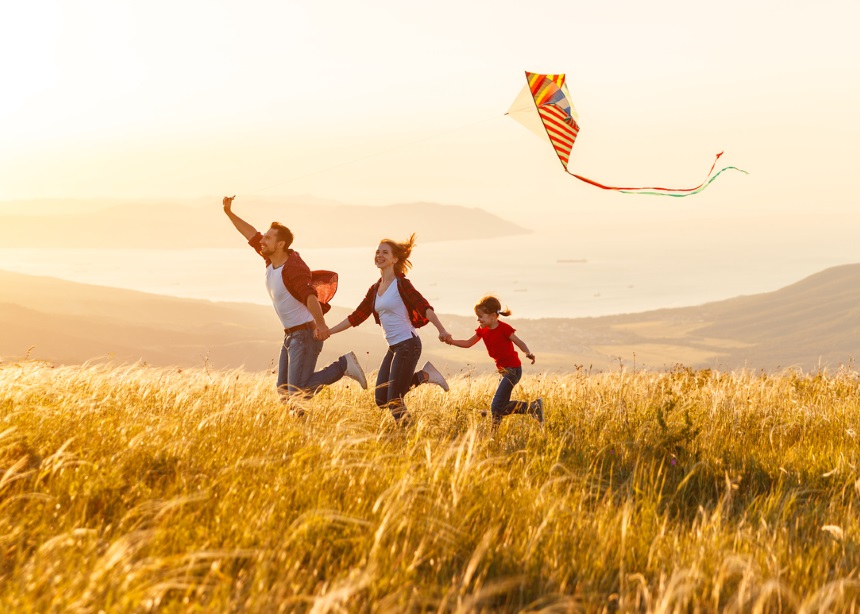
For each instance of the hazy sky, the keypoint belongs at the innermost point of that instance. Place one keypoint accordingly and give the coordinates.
(378, 102)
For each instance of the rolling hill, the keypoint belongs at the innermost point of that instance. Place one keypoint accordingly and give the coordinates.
(814, 322)
(810, 324)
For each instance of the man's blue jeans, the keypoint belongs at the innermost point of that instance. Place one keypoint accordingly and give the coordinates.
(297, 362)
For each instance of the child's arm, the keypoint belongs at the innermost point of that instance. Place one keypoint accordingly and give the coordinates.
(522, 345)
(462, 343)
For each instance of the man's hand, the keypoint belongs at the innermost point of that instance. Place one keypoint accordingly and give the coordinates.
(321, 332)
(228, 203)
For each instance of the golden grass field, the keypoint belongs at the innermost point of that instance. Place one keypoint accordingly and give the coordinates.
(137, 489)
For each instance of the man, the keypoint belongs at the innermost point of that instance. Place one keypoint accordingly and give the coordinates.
(288, 280)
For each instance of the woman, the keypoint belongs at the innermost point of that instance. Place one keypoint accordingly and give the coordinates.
(400, 309)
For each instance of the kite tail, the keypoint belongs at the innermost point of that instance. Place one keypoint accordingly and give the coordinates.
(658, 191)
(682, 193)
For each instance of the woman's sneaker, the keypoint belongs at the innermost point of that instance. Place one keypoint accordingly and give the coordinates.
(354, 370)
(536, 409)
(434, 377)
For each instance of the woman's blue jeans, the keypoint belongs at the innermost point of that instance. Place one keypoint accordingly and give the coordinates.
(397, 375)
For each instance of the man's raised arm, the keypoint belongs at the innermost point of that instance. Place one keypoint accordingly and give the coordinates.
(241, 225)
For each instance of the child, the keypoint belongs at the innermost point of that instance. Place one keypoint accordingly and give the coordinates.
(500, 339)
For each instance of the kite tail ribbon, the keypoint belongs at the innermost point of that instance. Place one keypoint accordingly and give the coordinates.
(658, 191)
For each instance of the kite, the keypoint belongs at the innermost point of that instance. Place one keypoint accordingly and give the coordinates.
(544, 107)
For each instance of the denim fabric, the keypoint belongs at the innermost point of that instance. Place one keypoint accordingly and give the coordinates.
(397, 375)
(502, 405)
(297, 362)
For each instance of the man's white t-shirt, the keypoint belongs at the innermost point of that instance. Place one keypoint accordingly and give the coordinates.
(290, 311)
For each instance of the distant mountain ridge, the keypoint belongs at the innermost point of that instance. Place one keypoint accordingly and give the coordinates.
(188, 224)
(813, 322)
(810, 324)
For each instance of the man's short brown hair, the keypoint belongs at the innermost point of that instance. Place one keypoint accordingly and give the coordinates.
(283, 234)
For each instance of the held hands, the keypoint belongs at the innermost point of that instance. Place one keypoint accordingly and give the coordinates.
(446, 337)
(322, 332)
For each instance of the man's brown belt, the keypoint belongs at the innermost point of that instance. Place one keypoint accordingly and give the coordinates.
(305, 326)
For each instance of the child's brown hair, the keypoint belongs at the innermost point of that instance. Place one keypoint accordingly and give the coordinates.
(490, 304)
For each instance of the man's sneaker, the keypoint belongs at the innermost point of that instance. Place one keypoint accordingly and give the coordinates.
(354, 370)
(537, 410)
(434, 377)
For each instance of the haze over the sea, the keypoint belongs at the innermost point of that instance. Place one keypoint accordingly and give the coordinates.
(389, 103)
(541, 274)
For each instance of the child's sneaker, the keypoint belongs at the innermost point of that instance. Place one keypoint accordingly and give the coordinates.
(536, 409)
(434, 377)
(354, 370)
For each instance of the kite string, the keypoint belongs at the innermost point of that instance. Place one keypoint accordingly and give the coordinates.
(379, 153)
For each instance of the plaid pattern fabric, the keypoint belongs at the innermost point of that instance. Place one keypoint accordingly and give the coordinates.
(298, 278)
(416, 305)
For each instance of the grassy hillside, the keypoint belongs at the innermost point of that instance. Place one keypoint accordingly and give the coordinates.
(142, 489)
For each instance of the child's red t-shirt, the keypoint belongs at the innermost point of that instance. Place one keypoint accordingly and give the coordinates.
(499, 345)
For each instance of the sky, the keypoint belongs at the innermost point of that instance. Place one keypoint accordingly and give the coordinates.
(385, 101)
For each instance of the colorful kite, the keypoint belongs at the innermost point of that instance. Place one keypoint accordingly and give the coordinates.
(544, 107)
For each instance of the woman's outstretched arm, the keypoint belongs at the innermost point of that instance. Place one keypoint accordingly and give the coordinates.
(431, 315)
(340, 326)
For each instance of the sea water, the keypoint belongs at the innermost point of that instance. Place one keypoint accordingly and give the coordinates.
(537, 276)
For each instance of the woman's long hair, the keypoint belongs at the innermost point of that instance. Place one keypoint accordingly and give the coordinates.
(401, 251)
